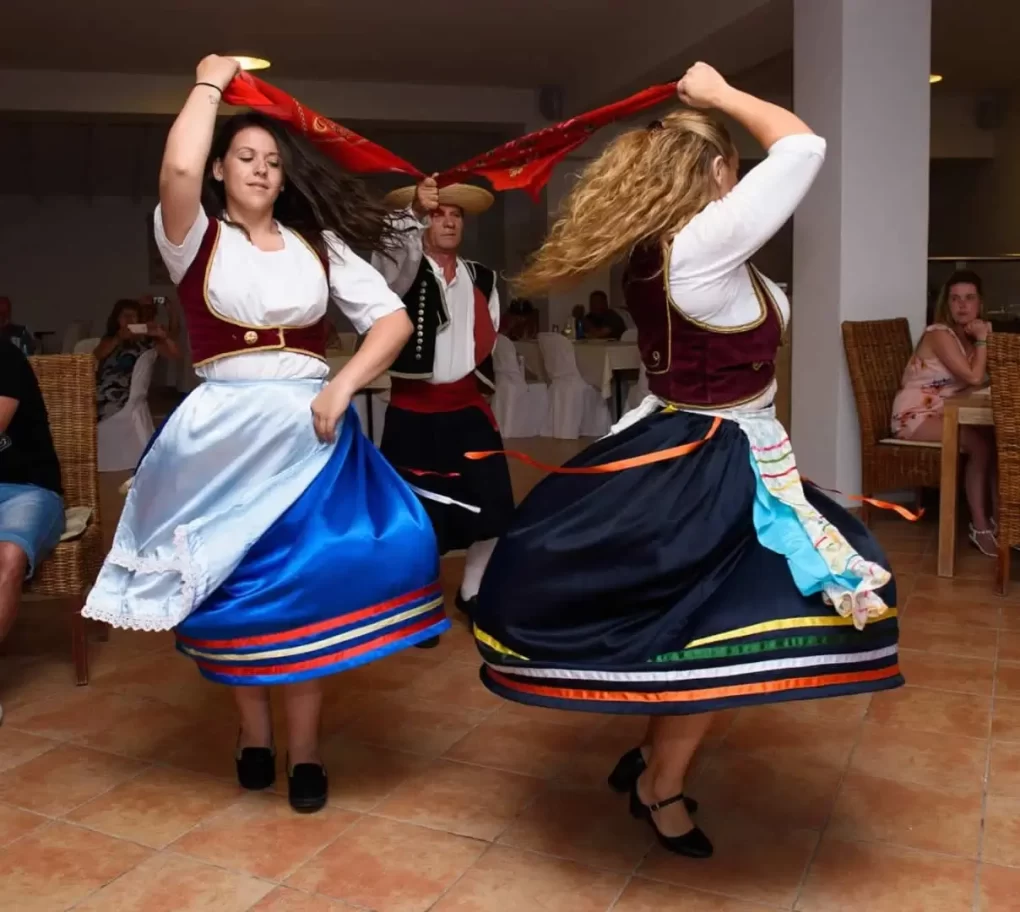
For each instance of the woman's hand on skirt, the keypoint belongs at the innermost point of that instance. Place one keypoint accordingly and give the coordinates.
(327, 410)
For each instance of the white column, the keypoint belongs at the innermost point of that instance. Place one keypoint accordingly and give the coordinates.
(861, 72)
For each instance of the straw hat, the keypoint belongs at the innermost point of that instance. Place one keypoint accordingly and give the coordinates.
(472, 200)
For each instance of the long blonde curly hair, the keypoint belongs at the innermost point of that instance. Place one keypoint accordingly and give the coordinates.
(646, 186)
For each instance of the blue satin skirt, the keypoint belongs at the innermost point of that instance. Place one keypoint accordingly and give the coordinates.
(276, 558)
(348, 574)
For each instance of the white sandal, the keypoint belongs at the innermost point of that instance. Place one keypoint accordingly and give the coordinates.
(980, 540)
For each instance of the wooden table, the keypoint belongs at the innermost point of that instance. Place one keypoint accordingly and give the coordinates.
(968, 408)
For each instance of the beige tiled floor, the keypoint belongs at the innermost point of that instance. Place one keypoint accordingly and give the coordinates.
(120, 797)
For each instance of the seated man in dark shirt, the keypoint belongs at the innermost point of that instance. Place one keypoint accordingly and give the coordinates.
(31, 502)
(601, 322)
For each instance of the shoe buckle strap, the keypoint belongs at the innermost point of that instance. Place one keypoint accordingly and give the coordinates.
(659, 805)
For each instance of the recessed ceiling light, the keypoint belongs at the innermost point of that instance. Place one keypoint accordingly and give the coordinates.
(934, 78)
(251, 63)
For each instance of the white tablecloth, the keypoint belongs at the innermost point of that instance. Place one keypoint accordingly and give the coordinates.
(597, 360)
(336, 362)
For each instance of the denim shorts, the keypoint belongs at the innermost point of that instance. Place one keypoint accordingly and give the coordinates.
(31, 518)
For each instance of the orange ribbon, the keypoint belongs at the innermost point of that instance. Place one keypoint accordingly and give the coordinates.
(871, 501)
(618, 466)
(635, 462)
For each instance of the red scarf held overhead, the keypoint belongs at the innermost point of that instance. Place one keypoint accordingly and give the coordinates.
(521, 164)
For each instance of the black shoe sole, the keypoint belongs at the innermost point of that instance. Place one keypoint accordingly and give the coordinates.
(309, 805)
(427, 644)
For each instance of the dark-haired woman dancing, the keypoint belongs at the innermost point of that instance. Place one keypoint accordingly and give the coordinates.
(261, 525)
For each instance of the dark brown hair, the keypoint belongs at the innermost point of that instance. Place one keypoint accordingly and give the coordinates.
(113, 321)
(319, 195)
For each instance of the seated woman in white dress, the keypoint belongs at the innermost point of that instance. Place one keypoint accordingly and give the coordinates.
(261, 525)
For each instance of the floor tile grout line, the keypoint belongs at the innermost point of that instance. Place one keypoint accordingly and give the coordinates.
(976, 903)
(709, 891)
(489, 847)
(848, 765)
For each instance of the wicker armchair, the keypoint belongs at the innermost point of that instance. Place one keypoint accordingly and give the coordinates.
(1004, 370)
(68, 384)
(877, 351)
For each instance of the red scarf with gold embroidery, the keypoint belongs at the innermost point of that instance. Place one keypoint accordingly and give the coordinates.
(521, 164)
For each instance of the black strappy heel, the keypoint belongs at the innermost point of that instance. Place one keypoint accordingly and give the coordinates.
(692, 844)
(626, 772)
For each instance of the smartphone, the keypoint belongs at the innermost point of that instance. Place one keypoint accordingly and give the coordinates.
(139, 329)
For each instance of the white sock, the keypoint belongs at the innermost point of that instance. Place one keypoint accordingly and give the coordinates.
(475, 562)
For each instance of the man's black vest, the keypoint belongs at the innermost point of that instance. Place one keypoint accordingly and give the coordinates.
(426, 306)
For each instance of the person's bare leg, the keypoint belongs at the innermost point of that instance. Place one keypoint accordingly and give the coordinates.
(976, 444)
(303, 704)
(977, 474)
(674, 739)
(256, 717)
(13, 566)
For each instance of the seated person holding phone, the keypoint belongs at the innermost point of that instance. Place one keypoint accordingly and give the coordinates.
(126, 339)
(31, 506)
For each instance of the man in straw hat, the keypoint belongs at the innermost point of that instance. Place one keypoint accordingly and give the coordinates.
(437, 409)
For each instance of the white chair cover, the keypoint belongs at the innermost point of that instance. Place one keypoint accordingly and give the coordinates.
(520, 407)
(75, 332)
(576, 409)
(86, 346)
(629, 335)
(123, 436)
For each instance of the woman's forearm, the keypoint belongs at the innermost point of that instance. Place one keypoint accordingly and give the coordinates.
(184, 157)
(383, 343)
(168, 348)
(106, 345)
(766, 122)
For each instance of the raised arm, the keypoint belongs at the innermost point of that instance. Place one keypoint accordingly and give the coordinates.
(728, 231)
(703, 87)
(400, 265)
(187, 148)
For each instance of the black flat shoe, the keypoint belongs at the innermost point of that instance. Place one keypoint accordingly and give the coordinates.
(256, 767)
(692, 844)
(466, 606)
(625, 776)
(430, 643)
(307, 787)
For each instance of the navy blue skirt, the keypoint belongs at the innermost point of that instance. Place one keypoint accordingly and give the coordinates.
(647, 590)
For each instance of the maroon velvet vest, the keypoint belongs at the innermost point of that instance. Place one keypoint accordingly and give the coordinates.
(690, 363)
(213, 336)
